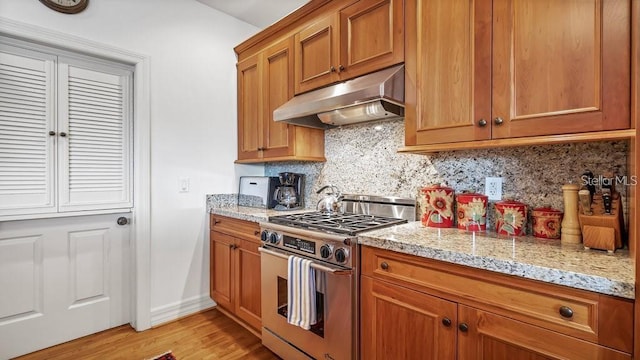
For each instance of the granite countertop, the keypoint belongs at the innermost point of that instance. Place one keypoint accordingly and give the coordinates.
(250, 213)
(227, 205)
(528, 257)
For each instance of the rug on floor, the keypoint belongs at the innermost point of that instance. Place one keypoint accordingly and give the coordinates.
(166, 356)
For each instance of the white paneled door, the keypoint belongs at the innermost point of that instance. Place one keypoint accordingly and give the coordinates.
(61, 279)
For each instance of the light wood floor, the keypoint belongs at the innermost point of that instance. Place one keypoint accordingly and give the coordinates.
(206, 335)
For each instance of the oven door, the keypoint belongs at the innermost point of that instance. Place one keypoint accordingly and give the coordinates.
(333, 336)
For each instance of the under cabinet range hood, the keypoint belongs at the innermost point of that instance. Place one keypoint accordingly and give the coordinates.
(376, 96)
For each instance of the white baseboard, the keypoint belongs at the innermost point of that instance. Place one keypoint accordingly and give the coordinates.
(179, 309)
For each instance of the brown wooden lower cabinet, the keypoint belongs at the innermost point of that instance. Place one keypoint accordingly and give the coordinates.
(487, 336)
(399, 323)
(415, 308)
(235, 269)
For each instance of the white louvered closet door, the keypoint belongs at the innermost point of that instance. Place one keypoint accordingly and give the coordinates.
(27, 151)
(95, 155)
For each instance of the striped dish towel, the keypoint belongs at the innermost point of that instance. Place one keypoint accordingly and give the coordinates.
(301, 296)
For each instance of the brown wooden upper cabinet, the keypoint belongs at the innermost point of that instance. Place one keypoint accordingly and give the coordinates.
(265, 81)
(479, 70)
(363, 37)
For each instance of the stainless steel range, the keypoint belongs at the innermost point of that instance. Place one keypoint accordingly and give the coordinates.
(329, 241)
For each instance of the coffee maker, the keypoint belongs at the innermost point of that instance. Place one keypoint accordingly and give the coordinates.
(289, 193)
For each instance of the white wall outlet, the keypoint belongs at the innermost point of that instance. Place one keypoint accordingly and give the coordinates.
(493, 188)
(185, 184)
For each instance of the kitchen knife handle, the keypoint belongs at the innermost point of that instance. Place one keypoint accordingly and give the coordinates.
(606, 200)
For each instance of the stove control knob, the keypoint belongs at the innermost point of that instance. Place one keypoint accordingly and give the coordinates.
(342, 255)
(326, 251)
(275, 238)
(264, 235)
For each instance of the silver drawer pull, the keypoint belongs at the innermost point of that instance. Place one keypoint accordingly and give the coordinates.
(334, 271)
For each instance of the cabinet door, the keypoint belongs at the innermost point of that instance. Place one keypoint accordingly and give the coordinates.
(317, 54)
(278, 83)
(398, 323)
(221, 269)
(560, 66)
(247, 283)
(371, 36)
(95, 129)
(27, 151)
(493, 337)
(448, 71)
(250, 108)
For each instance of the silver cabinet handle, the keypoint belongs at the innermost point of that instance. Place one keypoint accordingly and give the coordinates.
(122, 221)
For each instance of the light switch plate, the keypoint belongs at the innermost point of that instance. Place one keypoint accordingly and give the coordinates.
(493, 188)
(185, 184)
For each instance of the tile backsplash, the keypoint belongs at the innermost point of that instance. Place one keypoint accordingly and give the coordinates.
(363, 159)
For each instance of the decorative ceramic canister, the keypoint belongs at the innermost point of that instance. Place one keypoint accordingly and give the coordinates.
(471, 210)
(437, 206)
(511, 217)
(546, 223)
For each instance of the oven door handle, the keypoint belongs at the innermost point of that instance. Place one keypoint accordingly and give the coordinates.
(315, 265)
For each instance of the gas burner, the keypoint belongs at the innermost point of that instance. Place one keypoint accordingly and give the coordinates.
(348, 224)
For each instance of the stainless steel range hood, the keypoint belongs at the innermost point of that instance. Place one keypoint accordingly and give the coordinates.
(375, 96)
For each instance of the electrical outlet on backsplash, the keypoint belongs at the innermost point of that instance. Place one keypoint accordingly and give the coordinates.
(363, 159)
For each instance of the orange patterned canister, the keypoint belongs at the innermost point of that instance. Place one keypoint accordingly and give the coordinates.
(471, 210)
(546, 223)
(511, 218)
(437, 206)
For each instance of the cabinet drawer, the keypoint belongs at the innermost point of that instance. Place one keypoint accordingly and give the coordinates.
(590, 316)
(248, 230)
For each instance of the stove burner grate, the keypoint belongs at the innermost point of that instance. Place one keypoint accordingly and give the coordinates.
(349, 224)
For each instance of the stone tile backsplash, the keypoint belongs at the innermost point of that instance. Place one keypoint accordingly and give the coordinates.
(363, 159)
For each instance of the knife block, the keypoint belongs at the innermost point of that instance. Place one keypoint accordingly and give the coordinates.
(603, 231)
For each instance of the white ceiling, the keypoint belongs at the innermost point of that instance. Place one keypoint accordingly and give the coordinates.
(260, 13)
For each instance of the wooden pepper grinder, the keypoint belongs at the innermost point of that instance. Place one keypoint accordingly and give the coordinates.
(570, 231)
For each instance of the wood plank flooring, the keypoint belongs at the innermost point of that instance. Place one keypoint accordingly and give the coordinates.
(206, 335)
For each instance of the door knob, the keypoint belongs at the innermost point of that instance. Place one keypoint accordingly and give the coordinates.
(498, 121)
(63, 134)
(446, 322)
(463, 327)
(482, 123)
(122, 221)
